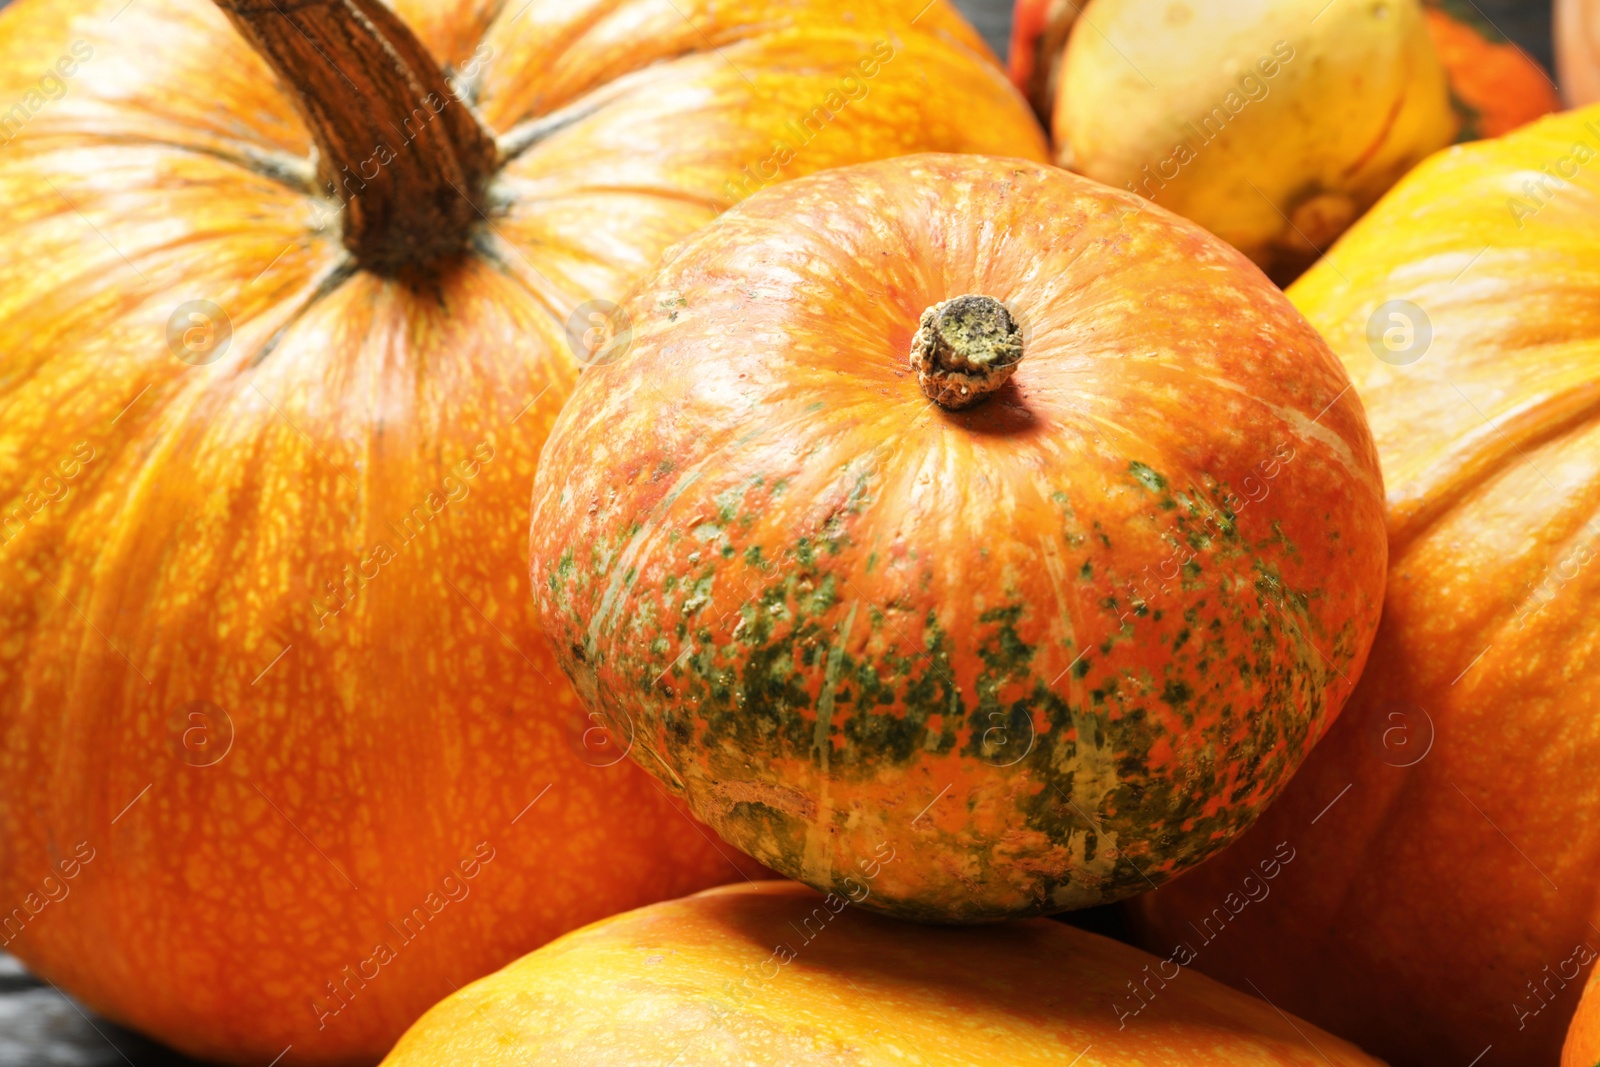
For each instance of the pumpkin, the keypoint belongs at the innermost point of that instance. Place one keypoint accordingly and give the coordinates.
(964, 509)
(1450, 855)
(289, 306)
(773, 973)
(1202, 107)
(1039, 31)
(1494, 85)
(1577, 41)
(1582, 1046)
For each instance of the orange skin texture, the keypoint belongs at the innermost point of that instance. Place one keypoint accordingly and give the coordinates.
(1582, 1047)
(1500, 85)
(194, 552)
(1463, 862)
(839, 618)
(773, 973)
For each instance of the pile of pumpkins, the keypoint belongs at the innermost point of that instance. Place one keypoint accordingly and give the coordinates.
(936, 525)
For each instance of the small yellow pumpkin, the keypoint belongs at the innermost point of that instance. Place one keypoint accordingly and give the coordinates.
(1273, 125)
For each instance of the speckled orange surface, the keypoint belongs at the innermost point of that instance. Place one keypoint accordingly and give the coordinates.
(1052, 649)
(1582, 1046)
(320, 532)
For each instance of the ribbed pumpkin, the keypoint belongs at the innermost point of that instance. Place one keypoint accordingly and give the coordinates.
(1448, 823)
(1273, 125)
(969, 509)
(776, 974)
(1494, 85)
(278, 356)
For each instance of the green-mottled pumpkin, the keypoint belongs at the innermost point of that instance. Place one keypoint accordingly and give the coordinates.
(1047, 649)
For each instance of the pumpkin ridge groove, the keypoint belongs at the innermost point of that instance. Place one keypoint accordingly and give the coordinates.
(487, 249)
(290, 171)
(622, 81)
(334, 277)
(530, 133)
(1481, 465)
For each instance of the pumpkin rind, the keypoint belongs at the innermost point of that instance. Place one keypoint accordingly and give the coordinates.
(1582, 1046)
(319, 532)
(834, 615)
(1451, 855)
(775, 974)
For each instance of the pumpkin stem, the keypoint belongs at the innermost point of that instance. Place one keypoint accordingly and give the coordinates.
(965, 349)
(396, 146)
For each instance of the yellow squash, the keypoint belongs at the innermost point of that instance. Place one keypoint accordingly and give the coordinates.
(1272, 123)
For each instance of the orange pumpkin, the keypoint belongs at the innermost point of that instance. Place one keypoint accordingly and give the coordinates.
(288, 309)
(968, 509)
(1582, 1047)
(773, 973)
(1494, 85)
(1445, 900)
(1039, 31)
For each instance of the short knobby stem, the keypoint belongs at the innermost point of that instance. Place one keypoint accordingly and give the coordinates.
(404, 155)
(965, 349)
